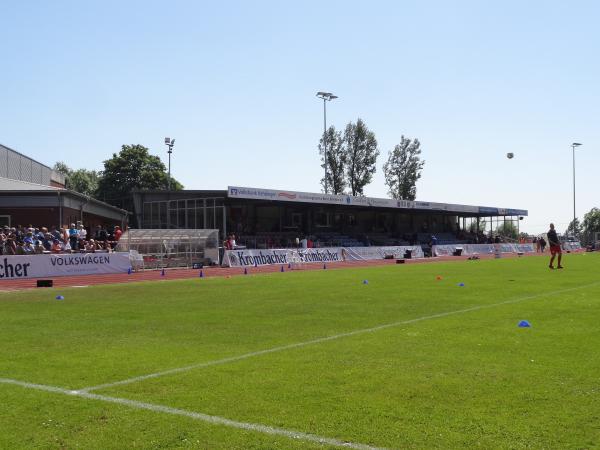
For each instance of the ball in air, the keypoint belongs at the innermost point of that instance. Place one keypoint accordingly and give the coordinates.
(510, 155)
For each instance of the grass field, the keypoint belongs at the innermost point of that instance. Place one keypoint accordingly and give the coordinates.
(286, 360)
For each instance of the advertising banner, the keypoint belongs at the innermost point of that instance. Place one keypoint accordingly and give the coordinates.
(250, 258)
(59, 265)
(482, 249)
(307, 197)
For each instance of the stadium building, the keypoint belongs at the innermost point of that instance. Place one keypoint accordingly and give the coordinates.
(267, 218)
(33, 193)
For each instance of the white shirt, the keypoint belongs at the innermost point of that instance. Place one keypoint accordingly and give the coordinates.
(82, 233)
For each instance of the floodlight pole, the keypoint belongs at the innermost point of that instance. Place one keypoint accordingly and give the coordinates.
(327, 97)
(169, 143)
(573, 145)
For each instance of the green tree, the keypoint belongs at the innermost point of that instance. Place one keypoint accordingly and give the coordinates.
(508, 229)
(81, 180)
(591, 225)
(336, 161)
(473, 227)
(360, 147)
(133, 168)
(403, 169)
(574, 228)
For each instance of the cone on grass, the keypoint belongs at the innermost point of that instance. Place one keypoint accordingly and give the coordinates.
(524, 324)
(60, 297)
(201, 275)
(162, 273)
(129, 271)
(282, 269)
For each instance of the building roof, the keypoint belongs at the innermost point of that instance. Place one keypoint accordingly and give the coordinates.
(8, 184)
(348, 200)
(24, 156)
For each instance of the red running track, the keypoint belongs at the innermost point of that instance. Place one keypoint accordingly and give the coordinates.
(179, 274)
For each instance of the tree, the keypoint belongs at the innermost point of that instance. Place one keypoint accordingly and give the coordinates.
(591, 225)
(507, 229)
(403, 169)
(574, 228)
(81, 180)
(473, 227)
(336, 161)
(360, 147)
(133, 168)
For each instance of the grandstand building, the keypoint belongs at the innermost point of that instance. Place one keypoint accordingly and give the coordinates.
(265, 218)
(33, 193)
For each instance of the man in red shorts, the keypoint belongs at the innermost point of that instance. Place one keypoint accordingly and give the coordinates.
(554, 247)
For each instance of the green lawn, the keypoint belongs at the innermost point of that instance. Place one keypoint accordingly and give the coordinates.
(467, 379)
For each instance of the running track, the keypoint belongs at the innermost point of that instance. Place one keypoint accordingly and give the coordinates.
(208, 272)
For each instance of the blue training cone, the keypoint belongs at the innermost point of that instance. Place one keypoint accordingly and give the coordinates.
(162, 273)
(461, 284)
(129, 271)
(289, 265)
(324, 266)
(524, 324)
(282, 269)
(245, 271)
(201, 275)
(365, 281)
(60, 297)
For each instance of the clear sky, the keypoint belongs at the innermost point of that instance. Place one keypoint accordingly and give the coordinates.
(235, 82)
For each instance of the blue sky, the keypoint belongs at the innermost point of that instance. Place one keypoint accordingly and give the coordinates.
(235, 84)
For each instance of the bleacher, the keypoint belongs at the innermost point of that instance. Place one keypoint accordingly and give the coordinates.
(442, 238)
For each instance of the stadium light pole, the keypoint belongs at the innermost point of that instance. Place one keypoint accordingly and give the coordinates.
(573, 145)
(169, 143)
(327, 97)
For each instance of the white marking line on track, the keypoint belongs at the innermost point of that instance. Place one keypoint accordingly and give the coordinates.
(215, 420)
(326, 339)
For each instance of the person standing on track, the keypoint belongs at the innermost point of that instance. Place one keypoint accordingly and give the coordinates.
(554, 247)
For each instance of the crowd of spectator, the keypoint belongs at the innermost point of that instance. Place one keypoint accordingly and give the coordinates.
(75, 238)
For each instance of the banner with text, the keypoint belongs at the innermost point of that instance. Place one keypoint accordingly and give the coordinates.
(308, 197)
(40, 266)
(249, 258)
(482, 249)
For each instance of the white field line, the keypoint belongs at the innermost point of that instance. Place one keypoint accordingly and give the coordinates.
(329, 338)
(215, 420)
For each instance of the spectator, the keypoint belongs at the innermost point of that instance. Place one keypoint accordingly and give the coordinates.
(304, 243)
(90, 246)
(28, 246)
(82, 232)
(101, 234)
(56, 246)
(47, 242)
(542, 242)
(20, 250)
(56, 234)
(10, 248)
(118, 232)
(73, 234)
(39, 248)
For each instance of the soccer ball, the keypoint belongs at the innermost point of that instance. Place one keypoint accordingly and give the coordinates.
(510, 155)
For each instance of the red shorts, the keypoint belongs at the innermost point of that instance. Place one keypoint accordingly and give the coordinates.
(554, 249)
